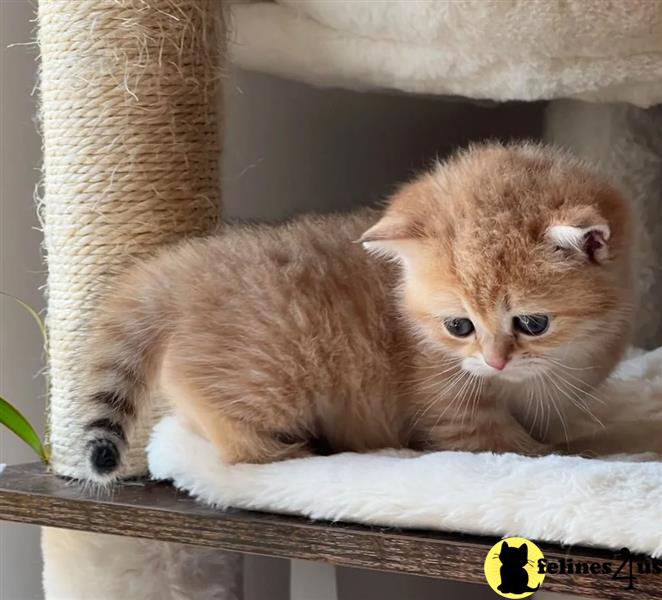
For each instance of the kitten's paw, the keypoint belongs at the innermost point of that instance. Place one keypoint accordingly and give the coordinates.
(515, 439)
(532, 447)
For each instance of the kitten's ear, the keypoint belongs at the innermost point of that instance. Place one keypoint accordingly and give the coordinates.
(393, 236)
(589, 240)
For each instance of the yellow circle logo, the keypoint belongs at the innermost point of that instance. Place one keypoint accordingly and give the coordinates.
(512, 568)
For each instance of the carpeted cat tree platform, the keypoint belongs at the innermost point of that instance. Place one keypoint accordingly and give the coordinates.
(130, 129)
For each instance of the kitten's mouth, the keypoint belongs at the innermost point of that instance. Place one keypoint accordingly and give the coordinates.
(514, 372)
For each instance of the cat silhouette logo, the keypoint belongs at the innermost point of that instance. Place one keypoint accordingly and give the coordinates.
(511, 568)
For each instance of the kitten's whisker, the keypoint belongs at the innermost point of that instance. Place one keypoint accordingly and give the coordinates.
(443, 363)
(431, 383)
(466, 402)
(540, 387)
(578, 402)
(560, 364)
(529, 406)
(434, 375)
(544, 416)
(463, 398)
(451, 382)
(564, 392)
(436, 398)
(457, 387)
(452, 402)
(477, 398)
(559, 413)
(462, 395)
(581, 390)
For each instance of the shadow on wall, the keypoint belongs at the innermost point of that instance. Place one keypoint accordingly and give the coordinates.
(292, 148)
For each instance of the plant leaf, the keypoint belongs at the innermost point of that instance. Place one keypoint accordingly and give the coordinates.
(16, 422)
(33, 313)
(46, 448)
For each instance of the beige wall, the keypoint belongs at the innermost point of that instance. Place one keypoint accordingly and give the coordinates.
(21, 273)
(291, 148)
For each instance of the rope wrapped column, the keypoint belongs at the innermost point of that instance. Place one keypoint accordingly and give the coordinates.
(131, 152)
(131, 148)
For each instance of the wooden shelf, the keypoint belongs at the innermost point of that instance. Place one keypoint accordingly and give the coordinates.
(31, 494)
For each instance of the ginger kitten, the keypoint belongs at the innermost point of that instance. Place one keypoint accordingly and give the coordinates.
(495, 292)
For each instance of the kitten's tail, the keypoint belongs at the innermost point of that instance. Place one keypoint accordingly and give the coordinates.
(126, 339)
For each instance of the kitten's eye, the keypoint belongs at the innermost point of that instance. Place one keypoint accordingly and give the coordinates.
(531, 324)
(459, 327)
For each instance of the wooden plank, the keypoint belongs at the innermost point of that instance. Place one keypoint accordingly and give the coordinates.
(30, 494)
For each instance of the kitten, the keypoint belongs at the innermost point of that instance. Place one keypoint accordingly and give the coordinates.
(499, 277)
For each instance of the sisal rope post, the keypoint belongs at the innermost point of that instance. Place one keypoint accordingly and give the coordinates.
(131, 153)
(131, 148)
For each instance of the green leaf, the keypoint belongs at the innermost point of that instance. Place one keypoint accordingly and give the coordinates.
(44, 450)
(33, 313)
(16, 422)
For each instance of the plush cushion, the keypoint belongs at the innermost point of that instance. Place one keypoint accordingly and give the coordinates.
(600, 50)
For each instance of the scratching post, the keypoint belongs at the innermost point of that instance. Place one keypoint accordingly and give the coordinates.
(131, 148)
(130, 162)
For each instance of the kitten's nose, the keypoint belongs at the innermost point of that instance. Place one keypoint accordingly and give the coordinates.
(497, 351)
(497, 362)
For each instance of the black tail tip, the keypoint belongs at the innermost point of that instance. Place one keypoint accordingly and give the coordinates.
(104, 456)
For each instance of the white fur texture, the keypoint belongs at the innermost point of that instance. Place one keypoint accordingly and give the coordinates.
(498, 49)
(563, 499)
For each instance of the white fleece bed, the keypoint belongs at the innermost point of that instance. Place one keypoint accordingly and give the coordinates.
(566, 499)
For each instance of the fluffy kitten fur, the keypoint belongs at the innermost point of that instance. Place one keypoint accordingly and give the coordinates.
(272, 341)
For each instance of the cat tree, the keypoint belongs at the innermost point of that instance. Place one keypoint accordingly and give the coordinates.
(131, 146)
